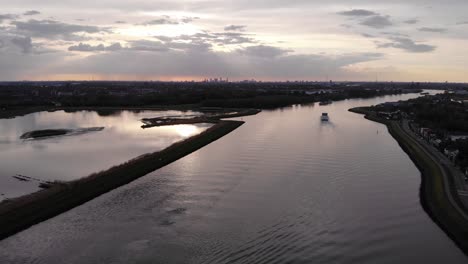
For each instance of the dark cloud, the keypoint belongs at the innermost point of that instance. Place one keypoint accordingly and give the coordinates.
(51, 29)
(24, 43)
(264, 51)
(378, 21)
(358, 13)
(235, 28)
(407, 44)
(462, 23)
(120, 22)
(411, 21)
(90, 48)
(7, 17)
(31, 13)
(435, 30)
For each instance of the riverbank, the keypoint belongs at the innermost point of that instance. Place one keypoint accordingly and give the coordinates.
(438, 193)
(20, 213)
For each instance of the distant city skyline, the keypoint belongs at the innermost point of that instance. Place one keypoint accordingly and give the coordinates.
(357, 40)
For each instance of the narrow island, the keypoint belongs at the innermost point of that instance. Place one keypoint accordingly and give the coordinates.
(439, 191)
(45, 133)
(20, 213)
(208, 117)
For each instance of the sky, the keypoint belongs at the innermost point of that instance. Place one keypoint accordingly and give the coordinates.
(275, 40)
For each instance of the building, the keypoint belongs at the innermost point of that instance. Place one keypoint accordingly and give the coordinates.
(425, 132)
(451, 153)
(436, 142)
(458, 137)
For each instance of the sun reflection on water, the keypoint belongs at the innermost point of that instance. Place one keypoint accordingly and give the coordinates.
(186, 130)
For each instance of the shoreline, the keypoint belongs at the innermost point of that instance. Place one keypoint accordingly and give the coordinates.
(438, 194)
(21, 213)
(16, 111)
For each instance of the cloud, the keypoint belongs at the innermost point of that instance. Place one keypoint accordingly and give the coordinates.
(235, 28)
(407, 44)
(211, 38)
(395, 34)
(167, 20)
(462, 23)
(51, 29)
(24, 43)
(186, 20)
(147, 45)
(377, 22)
(7, 17)
(367, 35)
(411, 21)
(264, 51)
(160, 21)
(358, 13)
(21, 66)
(90, 48)
(231, 38)
(31, 13)
(139, 45)
(435, 30)
(178, 63)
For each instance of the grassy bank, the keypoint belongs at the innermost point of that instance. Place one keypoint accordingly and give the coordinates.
(433, 193)
(23, 212)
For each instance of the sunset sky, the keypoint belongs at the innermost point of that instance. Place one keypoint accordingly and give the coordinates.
(353, 40)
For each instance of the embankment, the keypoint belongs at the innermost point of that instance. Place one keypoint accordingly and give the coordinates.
(23, 212)
(438, 193)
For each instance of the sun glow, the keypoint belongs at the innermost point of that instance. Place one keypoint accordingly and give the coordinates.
(186, 130)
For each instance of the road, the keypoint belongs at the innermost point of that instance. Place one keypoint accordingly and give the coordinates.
(447, 168)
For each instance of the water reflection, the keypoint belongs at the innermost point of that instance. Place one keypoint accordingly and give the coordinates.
(185, 130)
(283, 188)
(71, 157)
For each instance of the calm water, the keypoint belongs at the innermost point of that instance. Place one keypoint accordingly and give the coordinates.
(72, 157)
(283, 188)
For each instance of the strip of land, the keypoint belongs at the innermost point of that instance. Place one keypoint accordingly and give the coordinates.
(206, 118)
(20, 213)
(439, 189)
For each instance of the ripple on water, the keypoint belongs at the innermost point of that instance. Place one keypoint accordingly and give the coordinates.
(283, 188)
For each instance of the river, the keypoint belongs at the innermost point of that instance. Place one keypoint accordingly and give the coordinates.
(71, 157)
(283, 188)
